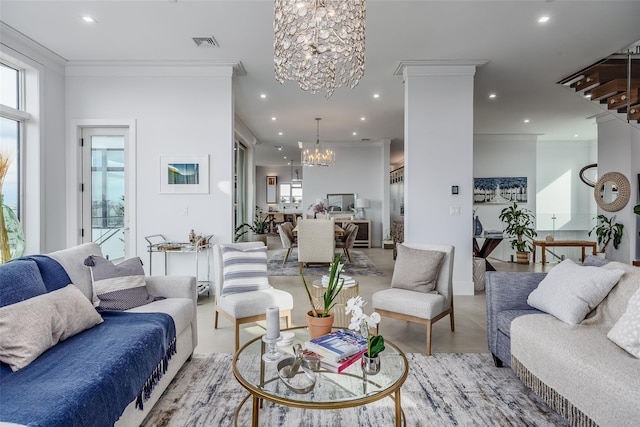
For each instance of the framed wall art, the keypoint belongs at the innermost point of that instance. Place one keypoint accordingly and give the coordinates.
(498, 191)
(184, 174)
(272, 192)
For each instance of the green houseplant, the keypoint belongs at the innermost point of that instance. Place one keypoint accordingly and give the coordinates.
(320, 320)
(636, 210)
(259, 227)
(607, 229)
(519, 223)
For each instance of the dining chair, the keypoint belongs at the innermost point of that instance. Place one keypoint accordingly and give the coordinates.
(316, 241)
(348, 239)
(288, 239)
(413, 296)
(242, 288)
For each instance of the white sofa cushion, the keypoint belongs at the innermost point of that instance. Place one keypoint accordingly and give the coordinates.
(419, 304)
(249, 303)
(180, 309)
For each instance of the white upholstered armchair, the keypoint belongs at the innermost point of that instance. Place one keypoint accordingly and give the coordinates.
(410, 297)
(243, 292)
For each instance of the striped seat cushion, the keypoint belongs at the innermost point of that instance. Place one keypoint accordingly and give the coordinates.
(244, 270)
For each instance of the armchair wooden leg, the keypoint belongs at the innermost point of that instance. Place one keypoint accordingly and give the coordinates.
(429, 338)
(237, 326)
(287, 319)
(453, 324)
(215, 319)
(286, 256)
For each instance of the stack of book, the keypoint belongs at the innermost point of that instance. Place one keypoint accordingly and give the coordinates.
(493, 233)
(337, 350)
(348, 281)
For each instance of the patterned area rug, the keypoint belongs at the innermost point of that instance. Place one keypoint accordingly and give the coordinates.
(362, 265)
(441, 390)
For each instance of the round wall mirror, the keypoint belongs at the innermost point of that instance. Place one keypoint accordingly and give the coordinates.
(612, 191)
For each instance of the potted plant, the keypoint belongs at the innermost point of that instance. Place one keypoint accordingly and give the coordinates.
(320, 320)
(520, 226)
(607, 230)
(363, 323)
(259, 228)
(636, 210)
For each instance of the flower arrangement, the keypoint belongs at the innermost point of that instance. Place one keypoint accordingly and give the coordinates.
(333, 288)
(318, 208)
(363, 323)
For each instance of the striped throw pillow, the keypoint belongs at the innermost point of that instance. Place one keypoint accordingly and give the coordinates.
(244, 270)
(118, 287)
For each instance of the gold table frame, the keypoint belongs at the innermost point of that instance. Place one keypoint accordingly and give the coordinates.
(257, 393)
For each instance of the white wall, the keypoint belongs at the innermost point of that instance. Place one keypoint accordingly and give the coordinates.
(619, 151)
(357, 169)
(179, 111)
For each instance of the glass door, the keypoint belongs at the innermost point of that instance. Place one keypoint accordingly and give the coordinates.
(104, 212)
(239, 188)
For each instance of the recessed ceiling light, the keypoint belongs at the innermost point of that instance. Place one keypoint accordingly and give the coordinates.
(362, 118)
(543, 19)
(89, 19)
(284, 157)
(263, 95)
(279, 147)
(280, 133)
(492, 95)
(273, 119)
(376, 95)
(588, 95)
(355, 133)
(526, 120)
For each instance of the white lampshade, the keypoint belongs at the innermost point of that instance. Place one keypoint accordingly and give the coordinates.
(362, 203)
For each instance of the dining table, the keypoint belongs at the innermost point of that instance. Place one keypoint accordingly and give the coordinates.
(339, 231)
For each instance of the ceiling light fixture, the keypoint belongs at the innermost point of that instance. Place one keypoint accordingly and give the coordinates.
(317, 156)
(319, 43)
(492, 96)
(543, 19)
(88, 19)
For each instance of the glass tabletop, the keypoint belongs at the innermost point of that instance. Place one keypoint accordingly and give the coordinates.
(334, 390)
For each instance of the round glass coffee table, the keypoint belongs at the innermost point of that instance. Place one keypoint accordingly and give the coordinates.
(332, 390)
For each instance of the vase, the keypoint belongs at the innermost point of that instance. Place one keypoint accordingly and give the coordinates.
(370, 365)
(319, 326)
(11, 235)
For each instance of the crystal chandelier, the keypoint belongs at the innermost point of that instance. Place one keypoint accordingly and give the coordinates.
(317, 157)
(319, 43)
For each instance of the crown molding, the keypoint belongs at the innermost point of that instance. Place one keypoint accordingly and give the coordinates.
(438, 67)
(14, 43)
(155, 68)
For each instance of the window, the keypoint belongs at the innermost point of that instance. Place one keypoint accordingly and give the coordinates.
(291, 194)
(11, 123)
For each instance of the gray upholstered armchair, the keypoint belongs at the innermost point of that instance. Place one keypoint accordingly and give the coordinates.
(316, 241)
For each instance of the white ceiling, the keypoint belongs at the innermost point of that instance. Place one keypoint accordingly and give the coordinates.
(526, 59)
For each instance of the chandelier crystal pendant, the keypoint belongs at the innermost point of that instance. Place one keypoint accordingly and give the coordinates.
(317, 156)
(319, 43)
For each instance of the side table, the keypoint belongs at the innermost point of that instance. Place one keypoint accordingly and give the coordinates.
(340, 320)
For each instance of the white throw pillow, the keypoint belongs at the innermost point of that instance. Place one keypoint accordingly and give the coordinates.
(244, 270)
(569, 291)
(626, 331)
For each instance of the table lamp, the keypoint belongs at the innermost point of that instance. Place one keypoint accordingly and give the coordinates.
(361, 204)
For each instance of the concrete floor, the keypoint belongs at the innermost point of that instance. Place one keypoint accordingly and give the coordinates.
(470, 334)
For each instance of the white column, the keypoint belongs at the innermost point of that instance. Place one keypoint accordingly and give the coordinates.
(438, 154)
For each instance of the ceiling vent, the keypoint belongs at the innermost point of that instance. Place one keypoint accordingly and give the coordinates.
(205, 42)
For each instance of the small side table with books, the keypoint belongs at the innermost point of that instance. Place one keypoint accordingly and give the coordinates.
(349, 290)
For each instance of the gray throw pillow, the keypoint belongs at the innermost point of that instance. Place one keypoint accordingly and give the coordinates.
(31, 327)
(118, 287)
(417, 269)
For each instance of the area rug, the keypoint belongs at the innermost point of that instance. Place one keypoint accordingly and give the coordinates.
(362, 265)
(441, 390)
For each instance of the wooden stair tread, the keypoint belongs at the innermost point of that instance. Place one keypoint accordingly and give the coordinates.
(621, 100)
(601, 74)
(612, 88)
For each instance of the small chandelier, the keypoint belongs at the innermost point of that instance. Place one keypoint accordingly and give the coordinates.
(319, 43)
(317, 157)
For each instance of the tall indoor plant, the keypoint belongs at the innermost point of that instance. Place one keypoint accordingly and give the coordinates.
(258, 228)
(607, 229)
(323, 317)
(636, 210)
(519, 223)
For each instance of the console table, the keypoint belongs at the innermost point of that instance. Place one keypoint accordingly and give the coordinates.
(489, 244)
(363, 238)
(562, 243)
(158, 243)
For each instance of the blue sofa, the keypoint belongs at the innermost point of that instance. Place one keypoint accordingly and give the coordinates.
(110, 373)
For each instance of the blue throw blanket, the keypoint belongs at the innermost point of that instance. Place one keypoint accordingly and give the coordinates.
(89, 379)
